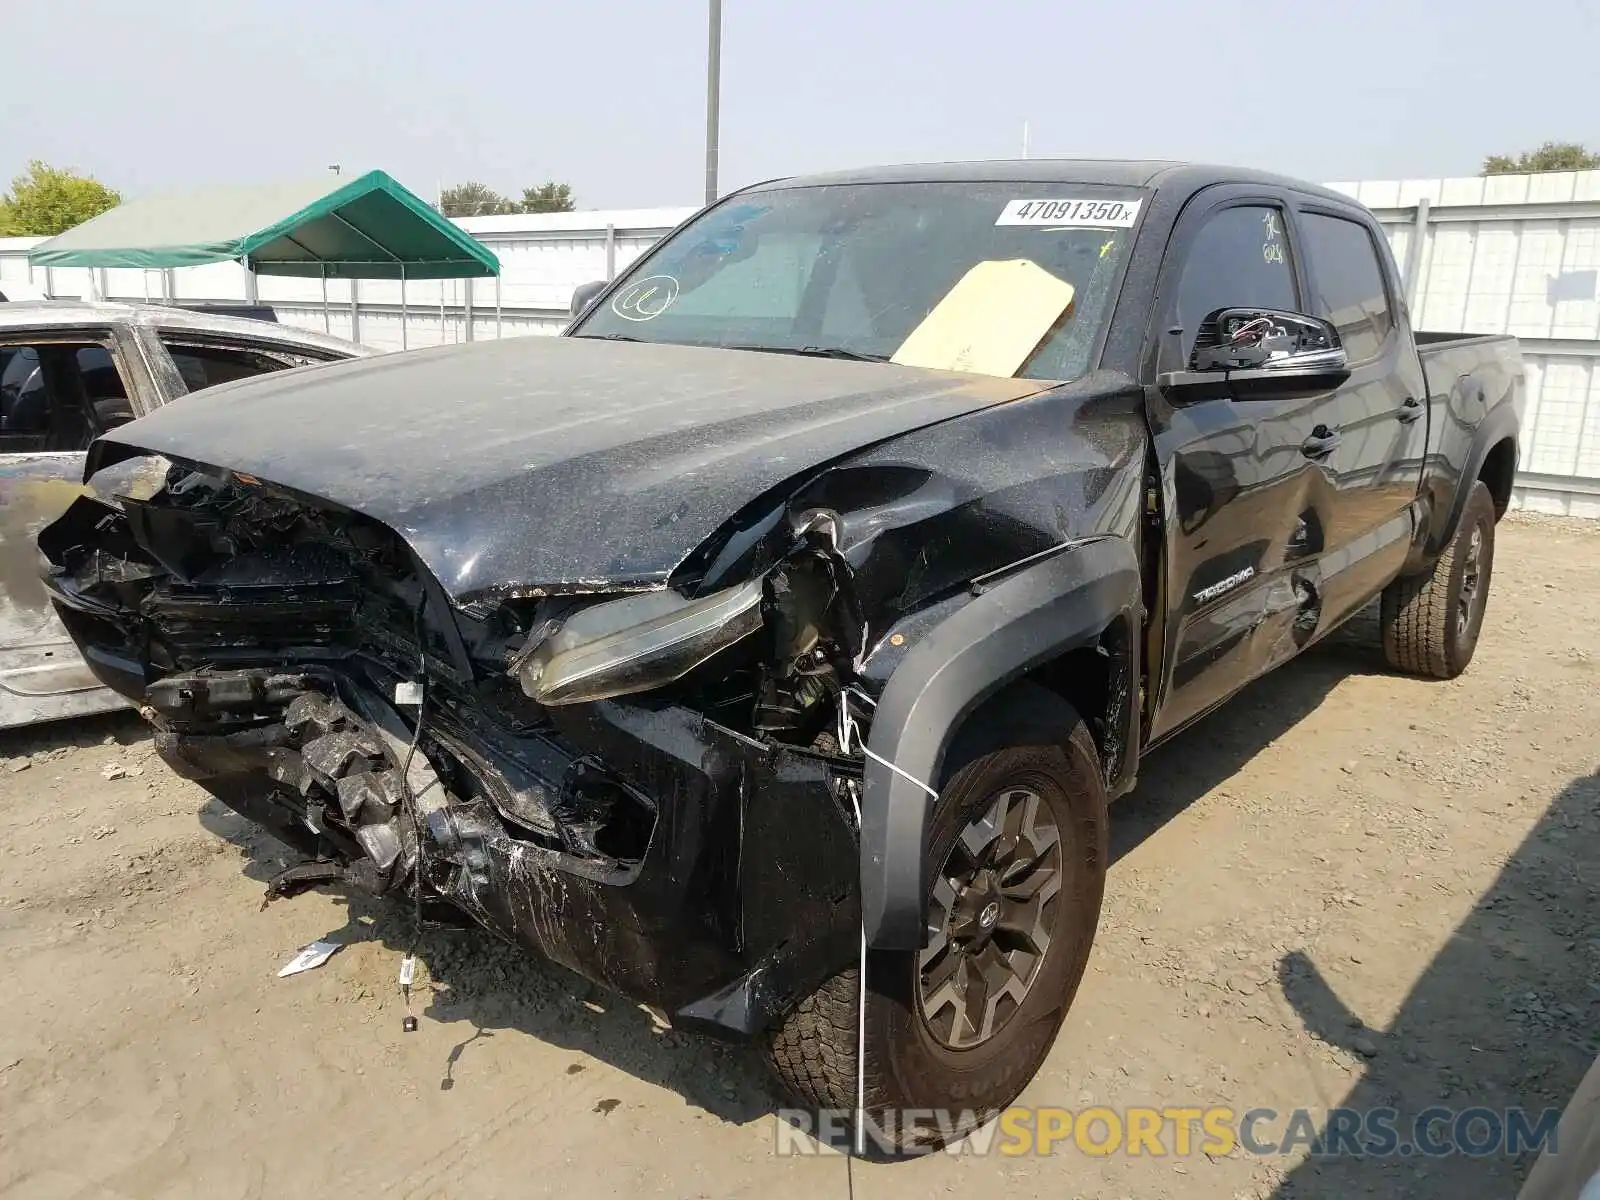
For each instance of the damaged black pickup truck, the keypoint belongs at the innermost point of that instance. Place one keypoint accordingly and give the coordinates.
(829, 576)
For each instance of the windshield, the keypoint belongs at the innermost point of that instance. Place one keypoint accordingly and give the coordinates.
(853, 270)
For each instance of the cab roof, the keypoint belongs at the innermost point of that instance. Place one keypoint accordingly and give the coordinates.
(1110, 172)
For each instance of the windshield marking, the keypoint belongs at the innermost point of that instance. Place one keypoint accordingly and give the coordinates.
(645, 299)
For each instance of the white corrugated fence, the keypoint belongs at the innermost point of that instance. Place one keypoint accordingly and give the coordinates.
(1516, 254)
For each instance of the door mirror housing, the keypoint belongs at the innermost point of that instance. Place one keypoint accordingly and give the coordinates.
(1263, 352)
(584, 295)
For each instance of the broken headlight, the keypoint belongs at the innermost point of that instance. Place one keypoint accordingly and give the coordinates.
(635, 643)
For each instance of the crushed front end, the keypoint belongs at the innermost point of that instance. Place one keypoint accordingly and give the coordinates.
(640, 787)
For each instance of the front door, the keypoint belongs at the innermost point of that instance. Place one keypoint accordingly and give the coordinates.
(1248, 483)
(58, 391)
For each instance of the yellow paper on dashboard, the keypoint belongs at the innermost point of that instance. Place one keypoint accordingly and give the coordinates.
(990, 321)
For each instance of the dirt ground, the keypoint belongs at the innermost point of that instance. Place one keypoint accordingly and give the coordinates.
(1344, 888)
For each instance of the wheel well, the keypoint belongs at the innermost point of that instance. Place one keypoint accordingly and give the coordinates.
(1082, 678)
(1093, 679)
(1497, 473)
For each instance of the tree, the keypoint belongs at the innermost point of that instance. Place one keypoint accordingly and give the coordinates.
(1552, 156)
(474, 199)
(50, 200)
(549, 198)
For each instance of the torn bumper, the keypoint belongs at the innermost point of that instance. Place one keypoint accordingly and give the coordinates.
(713, 876)
(683, 865)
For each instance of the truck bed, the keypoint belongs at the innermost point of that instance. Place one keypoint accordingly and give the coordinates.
(1438, 339)
(1447, 358)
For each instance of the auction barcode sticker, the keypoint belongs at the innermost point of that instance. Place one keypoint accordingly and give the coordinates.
(1093, 214)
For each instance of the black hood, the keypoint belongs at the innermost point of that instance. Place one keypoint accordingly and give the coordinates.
(561, 464)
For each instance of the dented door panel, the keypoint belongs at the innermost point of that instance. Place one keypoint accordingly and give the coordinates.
(1249, 512)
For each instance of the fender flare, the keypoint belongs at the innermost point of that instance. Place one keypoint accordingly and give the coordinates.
(1498, 424)
(1022, 622)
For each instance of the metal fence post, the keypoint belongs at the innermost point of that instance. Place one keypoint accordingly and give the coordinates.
(466, 307)
(1414, 259)
(611, 252)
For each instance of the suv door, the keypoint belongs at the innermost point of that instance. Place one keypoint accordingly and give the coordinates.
(1249, 489)
(59, 389)
(1382, 406)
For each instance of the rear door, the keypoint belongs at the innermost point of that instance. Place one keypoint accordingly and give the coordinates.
(1381, 407)
(1248, 487)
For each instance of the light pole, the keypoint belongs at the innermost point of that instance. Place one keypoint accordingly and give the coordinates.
(713, 89)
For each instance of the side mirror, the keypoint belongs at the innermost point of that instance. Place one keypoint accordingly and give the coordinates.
(1263, 352)
(584, 295)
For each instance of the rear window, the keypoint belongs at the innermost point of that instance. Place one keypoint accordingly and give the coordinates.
(1347, 282)
(205, 366)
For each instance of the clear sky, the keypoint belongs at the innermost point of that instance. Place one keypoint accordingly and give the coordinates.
(609, 95)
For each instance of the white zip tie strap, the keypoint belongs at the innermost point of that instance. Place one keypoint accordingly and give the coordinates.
(848, 733)
(861, 1020)
(906, 775)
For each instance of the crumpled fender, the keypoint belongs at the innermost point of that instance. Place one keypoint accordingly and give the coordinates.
(1021, 622)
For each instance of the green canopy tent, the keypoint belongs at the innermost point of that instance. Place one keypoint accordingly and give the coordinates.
(367, 228)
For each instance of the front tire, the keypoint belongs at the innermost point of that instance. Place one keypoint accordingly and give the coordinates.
(1431, 621)
(1017, 860)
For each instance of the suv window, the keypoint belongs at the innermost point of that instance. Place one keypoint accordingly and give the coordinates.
(203, 366)
(1239, 259)
(1347, 282)
(58, 395)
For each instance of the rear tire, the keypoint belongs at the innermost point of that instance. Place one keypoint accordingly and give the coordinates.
(1431, 621)
(1031, 760)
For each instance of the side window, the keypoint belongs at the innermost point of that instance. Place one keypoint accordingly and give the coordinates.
(1347, 283)
(203, 366)
(1239, 259)
(58, 395)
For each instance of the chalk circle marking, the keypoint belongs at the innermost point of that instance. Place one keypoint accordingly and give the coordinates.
(645, 299)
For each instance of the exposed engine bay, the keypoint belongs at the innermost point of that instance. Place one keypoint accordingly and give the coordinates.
(222, 568)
